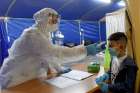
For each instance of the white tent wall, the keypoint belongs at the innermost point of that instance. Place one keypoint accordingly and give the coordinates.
(115, 22)
(118, 22)
(134, 13)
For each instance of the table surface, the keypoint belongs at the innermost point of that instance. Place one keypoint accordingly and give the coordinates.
(35, 86)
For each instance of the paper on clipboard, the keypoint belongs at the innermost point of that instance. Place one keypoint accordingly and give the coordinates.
(77, 75)
(62, 82)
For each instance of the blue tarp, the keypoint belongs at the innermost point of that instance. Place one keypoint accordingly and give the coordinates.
(3, 42)
(13, 28)
(68, 9)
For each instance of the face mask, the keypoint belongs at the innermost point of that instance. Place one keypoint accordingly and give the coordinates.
(112, 52)
(51, 28)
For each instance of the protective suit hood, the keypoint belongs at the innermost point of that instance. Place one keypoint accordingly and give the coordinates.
(42, 19)
(42, 15)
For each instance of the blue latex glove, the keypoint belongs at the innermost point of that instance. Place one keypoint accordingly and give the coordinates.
(104, 87)
(102, 78)
(92, 49)
(64, 70)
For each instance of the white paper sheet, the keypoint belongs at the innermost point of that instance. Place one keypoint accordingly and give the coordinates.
(61, 82)
(77, 75)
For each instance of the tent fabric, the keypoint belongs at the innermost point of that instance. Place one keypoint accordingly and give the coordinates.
(70, 29)
(3, 42)
(12, 29)
(91, 30)
(102, 31)
(68, 9)
(16, 26)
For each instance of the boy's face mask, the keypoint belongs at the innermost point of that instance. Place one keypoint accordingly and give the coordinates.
(112, 52)
(113, 48)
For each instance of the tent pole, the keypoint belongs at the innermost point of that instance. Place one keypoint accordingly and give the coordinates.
(6, 26)
(99, 23)
(80, 31)
(10, 7)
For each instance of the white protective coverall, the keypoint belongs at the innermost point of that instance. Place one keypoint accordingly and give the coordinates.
(33, 48)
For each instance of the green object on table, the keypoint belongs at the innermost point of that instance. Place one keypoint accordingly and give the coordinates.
(93, 68)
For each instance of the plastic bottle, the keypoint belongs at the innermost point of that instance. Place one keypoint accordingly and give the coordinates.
(59, 38)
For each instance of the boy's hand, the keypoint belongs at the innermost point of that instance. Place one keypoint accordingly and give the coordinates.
(104, 87)
(102, 78)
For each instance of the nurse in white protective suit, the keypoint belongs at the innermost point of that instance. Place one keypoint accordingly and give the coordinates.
(34, 49)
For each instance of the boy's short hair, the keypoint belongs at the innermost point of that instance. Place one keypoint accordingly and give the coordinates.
(118, 36)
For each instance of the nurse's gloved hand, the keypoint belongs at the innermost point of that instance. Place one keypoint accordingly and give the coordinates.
(92, 49)
(104, 87)
(102, 78)
(64, 70)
